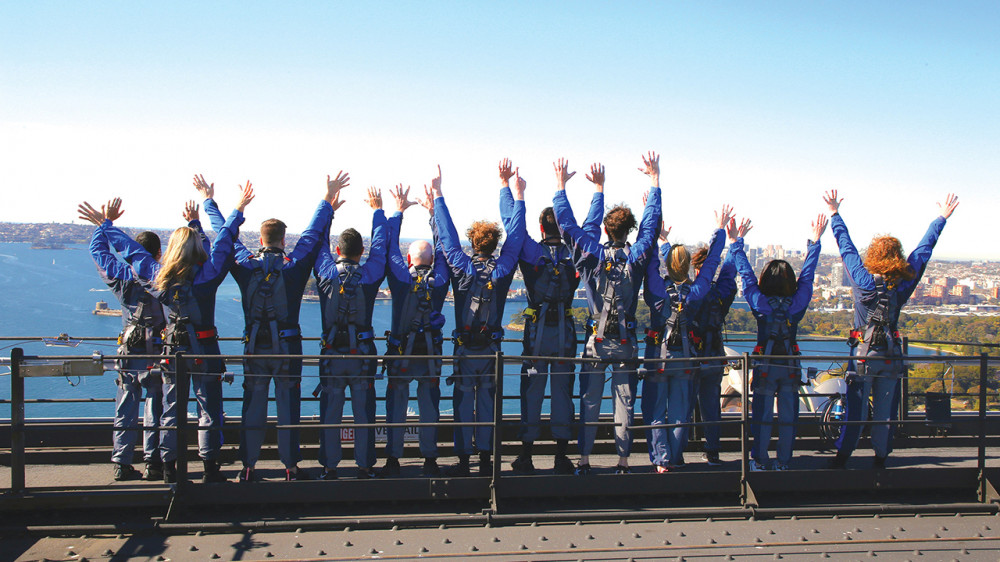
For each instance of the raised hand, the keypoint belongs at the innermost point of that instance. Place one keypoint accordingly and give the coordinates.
(596, 176)
(436, 184)
(428, 201)
(506, 172)
(721, 220)
(206, 189)
(190, 211)
(113, 209)
(337, 202)
(521, 185)
(562, 173)
(830, 198)
(401, 197)
(664, 233)
(949, 205)
(374, 198)
(333, 186)
(818, 227)
(733, 232)
(651, 167)
(246, 196)
(88, 213)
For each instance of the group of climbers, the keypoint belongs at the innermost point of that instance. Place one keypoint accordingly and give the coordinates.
(169, 304)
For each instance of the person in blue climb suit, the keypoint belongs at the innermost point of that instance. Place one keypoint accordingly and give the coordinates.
(347, 292)
(418, 285)
(881, 283)
(668, 388)
(612, 275)
(186, 283)
(480, 285)
(271, 286)
(550, 279)
(778, 302)
(142, 321)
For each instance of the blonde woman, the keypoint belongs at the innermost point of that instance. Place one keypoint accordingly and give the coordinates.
(186, 282)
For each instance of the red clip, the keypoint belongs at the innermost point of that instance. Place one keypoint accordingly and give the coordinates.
(199, 361)
(598, 340)
(624, 341)
(763, 375)
(354, 352)
(687, 371)
(759, 349)
(660, 370)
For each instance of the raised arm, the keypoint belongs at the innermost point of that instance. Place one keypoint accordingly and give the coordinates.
(920, 255)
(804, 287)
(703, 281)
(587, 246)
(307, 247)
(223, 247)
(756, 299)
(516, 233)
(374, 267)
(848, 251)
(109, 264)
(649, 226)
(448, 235)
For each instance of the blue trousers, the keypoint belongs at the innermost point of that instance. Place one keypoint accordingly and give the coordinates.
(708, 390)
(208, 394)
(655, 392)
(127, 399)
(288, 399)
(397, 399)
(624, 384)
(781, 382)
(335, 377)
(881, 382)
(473, 399)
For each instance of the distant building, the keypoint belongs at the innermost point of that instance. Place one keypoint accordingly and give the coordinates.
(838, 275)
(960, 291)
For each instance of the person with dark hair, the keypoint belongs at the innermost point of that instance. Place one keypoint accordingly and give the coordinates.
(479, 283)
(271, 285)
(881, 283)
(142, 321)
(419, 285)
(778, 302)
(667, 389)
(549, 330)
(612, 274)
(185, 281)
(347, 292)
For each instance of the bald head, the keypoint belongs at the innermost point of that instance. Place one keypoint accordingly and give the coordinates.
(421, 253)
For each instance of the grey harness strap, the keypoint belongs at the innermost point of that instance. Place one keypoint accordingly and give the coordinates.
(676, 328)
(554, 287)
(418, 305)
(614, 276)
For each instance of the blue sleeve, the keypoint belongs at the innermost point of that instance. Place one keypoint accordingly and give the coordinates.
(587, 246)
(374, 267)
(921, 255)
(756, 299)
(442, 274)
(849, 253)
(142, 262)
(395, 264)
(646, 237)
(726, 282)
(206, 244)
(112, 267)
(804, 289)
(511, 250)
(592, 222)
(215, 216)
(325, 266)
(308, 245)
(222, 250)
(506, 204)
(654, 289)
(449, 238)
(664, 251)
(703, 282)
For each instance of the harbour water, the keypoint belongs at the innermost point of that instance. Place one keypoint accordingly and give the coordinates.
(49, 292)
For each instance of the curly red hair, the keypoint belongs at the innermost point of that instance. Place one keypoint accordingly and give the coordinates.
(484, 236)
(885, 257)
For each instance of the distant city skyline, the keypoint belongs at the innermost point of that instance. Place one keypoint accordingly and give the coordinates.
(763, 106)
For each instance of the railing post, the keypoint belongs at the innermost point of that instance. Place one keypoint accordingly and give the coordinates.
(904, 402)
(183, 382)
(16, 422)
(745, 431)
(983, 365)
(497, 429)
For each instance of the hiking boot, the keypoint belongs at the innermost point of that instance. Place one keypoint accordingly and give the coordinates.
(154, 471)
(523, 465)
(391, 468)
(712, 458)
(878, 463)
(660, 469)
(366, 473)
(296, 473)
(838, 462)
(328, 474)
(582, 470)
(562, 465)
(125, 472)
(431, 467)
(461, 469)
(170, 472)
(757, 467)
(211, 472)
(777, 466)
(622, 470)
(247, 474)
(485, 464)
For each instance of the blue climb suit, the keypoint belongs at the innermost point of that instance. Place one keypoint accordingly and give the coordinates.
(347, 292)
(551, 281)
(190, 308)
(418, 294)
(271, 286)
(879, 378)
(596, 263)
(782, 377)
(668, 388)
(142, 321)
(480, 285)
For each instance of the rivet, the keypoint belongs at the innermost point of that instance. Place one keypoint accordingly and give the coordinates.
(727, 533)
(269, 554)
(296, 545)
(986, 528)
(795, 518)
(446, 541)
(803, 539)
(730, 557)
(590, 537)
(398, 542)
(850, 538)
(856, 530)
(871, 554)
(298, 531)
(825, 555)
(347, 529)
(770, 531)
(321, 553)
(543, 538)
(622, 522)
(636, 536)
(666, 520)
(70, 553)
(423, 549)
(373, 551)
(473, 548)
(442, 526)
(917, 515)
(193, 548)
(918, 553)
(109, 552)
(836, 517)
(712, 541)
(965, 551)
(758, 539)
(394, 528)
(878, 516)
(681, 534)
(815, 531)
(979, 535)
(534, 523)
(937, 536)
(523, 547)
(900, 530)
(348, 543)
(214, 556)
(198, 534)
(666, 543)
(571, 545)
(943, 529)
(892, 537)
(619, 543)
(578, 523)
(777, 556)
(708, 520)
(496, 539)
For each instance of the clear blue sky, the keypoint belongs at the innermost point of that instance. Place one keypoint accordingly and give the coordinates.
(760, 104)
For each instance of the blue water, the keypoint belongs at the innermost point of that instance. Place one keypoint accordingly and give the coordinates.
(48, 292)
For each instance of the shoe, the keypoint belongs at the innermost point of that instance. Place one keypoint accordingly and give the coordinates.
(712, 458)
(366, 473)
(838, 462)
(461, 469)
(777, 466)
(660, 469)
(679, 463)
(126, 472)
(246, 474)
(211, 472)
(523, 465)
(878, 463)
(170, 472)
(485, 464)
(391, 468)
(154, 471)
(563, 465)
(328, 474)
(431, 467)
(582, 470)
(757, 467)
(622, 470)
(296, 473)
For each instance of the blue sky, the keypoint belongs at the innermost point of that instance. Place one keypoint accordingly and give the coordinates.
(763, 105)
